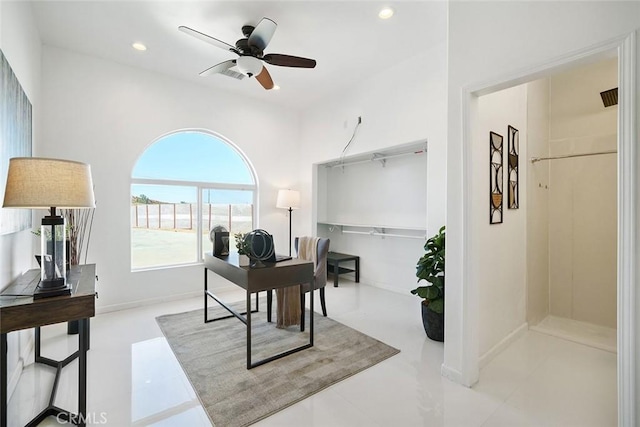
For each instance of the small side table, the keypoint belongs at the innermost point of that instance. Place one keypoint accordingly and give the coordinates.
(333, 264)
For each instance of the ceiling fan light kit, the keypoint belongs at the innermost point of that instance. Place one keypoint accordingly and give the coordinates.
(249, 65)
(250, 51)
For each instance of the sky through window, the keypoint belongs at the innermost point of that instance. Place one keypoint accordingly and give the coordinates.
(192, 156)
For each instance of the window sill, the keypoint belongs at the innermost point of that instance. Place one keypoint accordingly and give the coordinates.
(165, 267)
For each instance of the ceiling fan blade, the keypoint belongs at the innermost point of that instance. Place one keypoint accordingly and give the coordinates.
(261, 35)
(208, 39)
(289, 61)
(264, 78)
(219, 68)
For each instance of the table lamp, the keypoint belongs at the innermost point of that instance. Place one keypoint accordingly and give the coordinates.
(288, 199)
(40, 183)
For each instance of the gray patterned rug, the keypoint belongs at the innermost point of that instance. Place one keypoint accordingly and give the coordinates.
(213, 356)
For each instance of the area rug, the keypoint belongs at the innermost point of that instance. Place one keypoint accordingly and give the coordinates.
(213, 356)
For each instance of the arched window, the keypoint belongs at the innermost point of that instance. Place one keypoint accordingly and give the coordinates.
(182, 185)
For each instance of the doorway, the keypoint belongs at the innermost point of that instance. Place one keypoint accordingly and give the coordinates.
(627, 275)
(550, 263)
(572, 205)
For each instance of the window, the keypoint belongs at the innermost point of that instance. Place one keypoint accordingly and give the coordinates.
(182, 185)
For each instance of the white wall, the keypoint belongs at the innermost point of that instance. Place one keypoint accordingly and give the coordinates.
(106, 114)
(583, 195)
(400, 105)
(20, 43)
(487, 41)
(500, 249)
(393, 194)
(537, 183)
(404, 104)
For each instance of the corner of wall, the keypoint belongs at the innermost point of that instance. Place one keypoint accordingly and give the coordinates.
(457, 376)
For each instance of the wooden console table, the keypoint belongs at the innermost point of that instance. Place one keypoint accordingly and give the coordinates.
(254, 280)
(22, 312)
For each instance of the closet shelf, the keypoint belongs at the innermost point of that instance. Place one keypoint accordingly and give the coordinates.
(377, 230)
(381, 156)
(389, 227)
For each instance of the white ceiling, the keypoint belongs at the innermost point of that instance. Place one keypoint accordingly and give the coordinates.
(346, 38)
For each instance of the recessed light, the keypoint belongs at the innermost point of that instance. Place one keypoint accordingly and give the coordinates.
(385, 13)
(276, 87)
(138, 46)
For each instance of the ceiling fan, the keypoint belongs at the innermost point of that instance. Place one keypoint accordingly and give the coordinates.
(250, 50)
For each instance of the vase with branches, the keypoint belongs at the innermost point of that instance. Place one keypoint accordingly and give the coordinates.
(79, 225)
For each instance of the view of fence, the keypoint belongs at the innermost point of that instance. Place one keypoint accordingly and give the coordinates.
(183, 216)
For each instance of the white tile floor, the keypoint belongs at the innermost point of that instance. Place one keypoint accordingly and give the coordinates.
(134, 378)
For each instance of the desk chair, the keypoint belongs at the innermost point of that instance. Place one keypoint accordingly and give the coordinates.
(320, 282)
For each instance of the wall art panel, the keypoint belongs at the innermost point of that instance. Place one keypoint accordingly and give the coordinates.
(15, 140)
(513, 171)
(495, 178)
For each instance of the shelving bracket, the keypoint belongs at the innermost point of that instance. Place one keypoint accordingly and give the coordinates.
(380, 158)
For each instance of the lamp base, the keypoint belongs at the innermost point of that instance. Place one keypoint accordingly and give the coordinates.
(41, 292)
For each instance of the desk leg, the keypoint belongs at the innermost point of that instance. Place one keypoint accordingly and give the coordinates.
(248, 330)
(312, 294)
(336, 273)
(83, 344)
(205, 295)
(358, 270)
(3, 386)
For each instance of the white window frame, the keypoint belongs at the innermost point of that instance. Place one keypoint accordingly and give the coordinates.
(199, 186)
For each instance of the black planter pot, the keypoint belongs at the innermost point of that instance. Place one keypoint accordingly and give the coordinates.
(433, 323)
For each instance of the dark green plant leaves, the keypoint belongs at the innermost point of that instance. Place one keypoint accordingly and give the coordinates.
(430, 268)
(427, 292)
(437, 306)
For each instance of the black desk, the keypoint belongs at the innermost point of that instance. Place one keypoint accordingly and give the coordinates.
(254, 280)
(18, 313)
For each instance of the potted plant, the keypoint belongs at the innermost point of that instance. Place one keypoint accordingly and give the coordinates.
(431, 268)
(241, 246)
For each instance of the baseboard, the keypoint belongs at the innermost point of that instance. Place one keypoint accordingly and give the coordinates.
(576, 339)
(504, 343)
(14, 377)
(151, 301)
(364, 280)
(454, 375)
(451, 374)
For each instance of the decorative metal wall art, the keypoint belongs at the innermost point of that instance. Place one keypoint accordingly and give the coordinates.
(513, 171)
(495, 178)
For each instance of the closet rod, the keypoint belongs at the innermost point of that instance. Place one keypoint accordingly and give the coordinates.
(356, 232)
(374, 233)
(537, 159)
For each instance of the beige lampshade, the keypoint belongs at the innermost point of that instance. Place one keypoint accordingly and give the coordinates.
(38, 183)
(288, 199)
